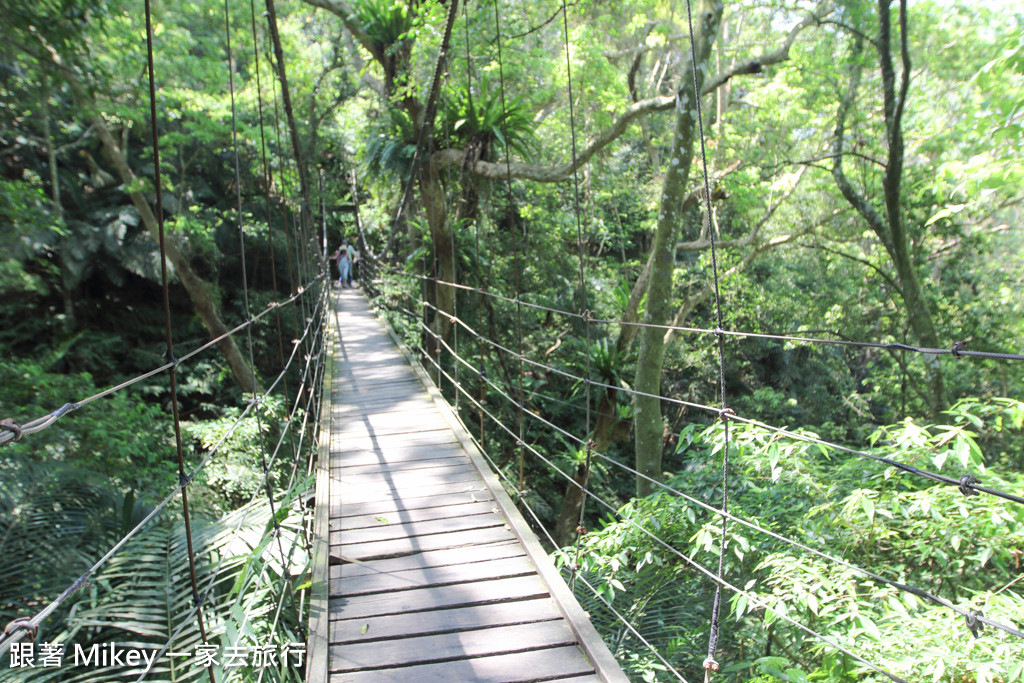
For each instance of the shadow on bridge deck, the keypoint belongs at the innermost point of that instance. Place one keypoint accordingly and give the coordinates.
(424, 569)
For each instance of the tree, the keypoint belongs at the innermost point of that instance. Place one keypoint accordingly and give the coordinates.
(650, 360)
(889, 222)
(50, 58)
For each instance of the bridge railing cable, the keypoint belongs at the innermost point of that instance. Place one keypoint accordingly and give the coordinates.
(708, 574)
(724, 514)
(957, 349)
(7, 639)
(967, 484)
(11, 432)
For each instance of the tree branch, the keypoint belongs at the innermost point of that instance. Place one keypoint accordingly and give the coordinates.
(859, 202)
(704, 241)
(693, 300)
(885, 276)
(559, 172)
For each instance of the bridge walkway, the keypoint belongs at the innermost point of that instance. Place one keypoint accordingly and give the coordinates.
(424, 570)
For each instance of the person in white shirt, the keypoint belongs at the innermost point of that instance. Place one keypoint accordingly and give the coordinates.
(344, 265)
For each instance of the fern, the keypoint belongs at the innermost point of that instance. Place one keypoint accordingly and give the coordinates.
(142, 598)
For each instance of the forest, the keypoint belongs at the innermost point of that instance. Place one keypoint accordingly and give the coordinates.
(749, 359)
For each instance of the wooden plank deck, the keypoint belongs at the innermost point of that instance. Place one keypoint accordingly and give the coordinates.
(426, 571)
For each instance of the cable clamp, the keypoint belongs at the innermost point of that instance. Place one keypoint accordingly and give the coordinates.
(967, 483)
(590, 444)
(710, 664)
(587, 315)
(726, 413)
(184, 480)
(718, 331)
(581, 530)
(21, 624)
(437, 350)
(973, 619)
(957, 348)
(12, 426)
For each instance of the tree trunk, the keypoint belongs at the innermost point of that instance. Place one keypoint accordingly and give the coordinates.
(434, 206)
(889, 225)
(197, 290)
(647, 410)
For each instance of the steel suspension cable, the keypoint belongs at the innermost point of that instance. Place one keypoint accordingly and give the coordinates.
(968, 614)
(584, 308)
(515, 244)
(710, 664)
(245, 277)
(957, 350)
(967, 484)
(167, 328)
(267, 178)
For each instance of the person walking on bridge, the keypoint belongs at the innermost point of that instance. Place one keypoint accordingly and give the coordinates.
(344, 265)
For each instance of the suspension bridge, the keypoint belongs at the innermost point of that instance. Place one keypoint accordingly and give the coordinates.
(425, 570)
(422, 566)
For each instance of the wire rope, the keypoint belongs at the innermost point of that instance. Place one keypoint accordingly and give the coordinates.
(707, 573)
(968, 614)
(585, 309)
(957, 350)
(186, 517)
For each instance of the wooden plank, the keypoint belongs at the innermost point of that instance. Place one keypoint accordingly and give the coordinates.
(410, 529)
(374, 468)
(340, 508)
(396, 454)
(356, 494)
(418, 401)
(392, 424)
(378, 419)
(433, 576)
(450, 646)
(374, 384)
(425, 439)
(433, 558)
(536, 665)
(378, 375)
(418, 544)
(425, 599)
(442, 621)
(364, 395)
(418, 515)
(428, 476)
